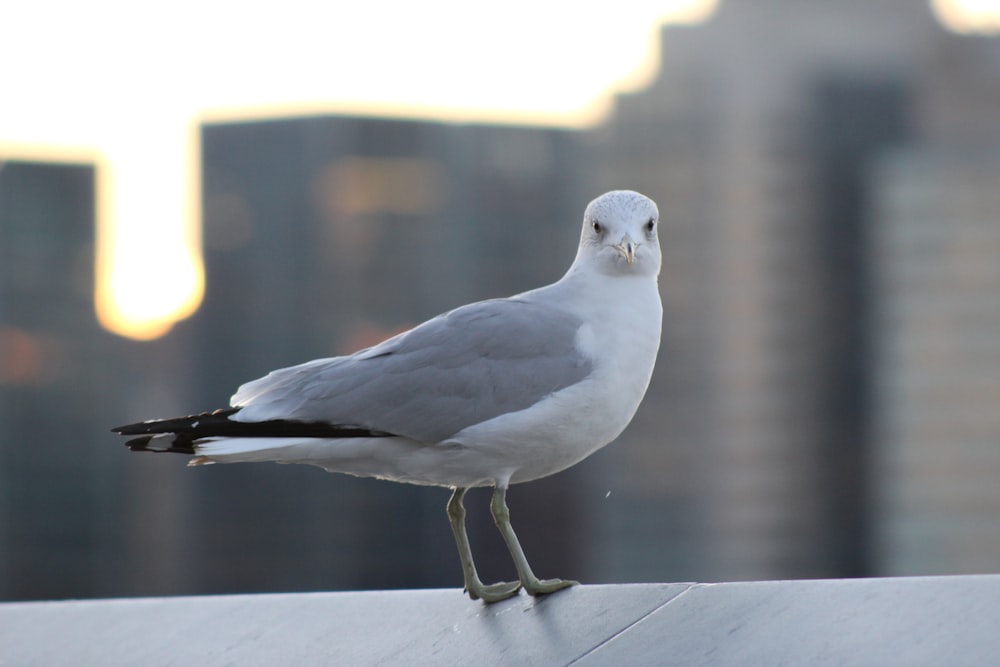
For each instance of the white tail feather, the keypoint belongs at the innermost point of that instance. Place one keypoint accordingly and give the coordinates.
(238, 450)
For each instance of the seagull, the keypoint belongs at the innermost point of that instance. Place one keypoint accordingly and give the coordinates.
(490, 394)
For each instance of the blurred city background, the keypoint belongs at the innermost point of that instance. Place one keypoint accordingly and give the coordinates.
(826, 401)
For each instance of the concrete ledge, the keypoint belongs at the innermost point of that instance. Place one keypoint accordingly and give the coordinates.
(906, 621)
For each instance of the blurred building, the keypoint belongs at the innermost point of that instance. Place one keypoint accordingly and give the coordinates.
(52, 501)
(759, 139)
(938, 362)
(936, 258)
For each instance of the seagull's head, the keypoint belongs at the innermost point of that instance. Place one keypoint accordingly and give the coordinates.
(619, 235)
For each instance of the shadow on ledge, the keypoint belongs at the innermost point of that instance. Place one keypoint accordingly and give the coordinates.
(905, 621)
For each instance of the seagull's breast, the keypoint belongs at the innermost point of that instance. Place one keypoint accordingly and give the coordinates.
(620, 335)
(622, 338)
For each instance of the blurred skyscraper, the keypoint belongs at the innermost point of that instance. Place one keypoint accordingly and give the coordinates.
(52, 500)
(936, 259)
(759, 139)
(938, 362)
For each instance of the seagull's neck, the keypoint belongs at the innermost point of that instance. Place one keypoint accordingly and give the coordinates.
(586, 274)
(583, 290)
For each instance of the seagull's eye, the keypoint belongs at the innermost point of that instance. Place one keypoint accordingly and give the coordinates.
(598, 228)
(650, 225)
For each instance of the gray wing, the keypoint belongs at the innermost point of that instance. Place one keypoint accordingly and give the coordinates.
(458, 369)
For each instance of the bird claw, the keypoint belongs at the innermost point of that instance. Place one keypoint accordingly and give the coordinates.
(546, 586)
(493, 592)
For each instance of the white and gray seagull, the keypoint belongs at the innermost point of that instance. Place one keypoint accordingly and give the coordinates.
(489, 394)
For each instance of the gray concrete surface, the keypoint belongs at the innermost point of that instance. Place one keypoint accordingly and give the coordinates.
(907, 621)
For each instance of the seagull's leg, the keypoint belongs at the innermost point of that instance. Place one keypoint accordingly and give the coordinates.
(531, 583)
(476, 589)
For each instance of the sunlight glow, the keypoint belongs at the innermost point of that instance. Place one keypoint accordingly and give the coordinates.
(969, 16)
(149, 273)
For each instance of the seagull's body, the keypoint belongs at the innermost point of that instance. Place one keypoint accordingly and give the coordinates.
(489, 394)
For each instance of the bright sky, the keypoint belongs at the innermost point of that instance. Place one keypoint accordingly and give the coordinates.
(123, 84)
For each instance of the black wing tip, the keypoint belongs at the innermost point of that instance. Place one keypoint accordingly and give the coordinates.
(186, 430)
(172, 425)
(138, 444)
(179, 444)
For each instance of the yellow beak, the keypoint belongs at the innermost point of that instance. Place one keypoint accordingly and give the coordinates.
(626, 248)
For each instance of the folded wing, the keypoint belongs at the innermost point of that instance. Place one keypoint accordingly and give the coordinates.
(458, 369)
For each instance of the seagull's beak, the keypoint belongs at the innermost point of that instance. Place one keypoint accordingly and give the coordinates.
(626, 248)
